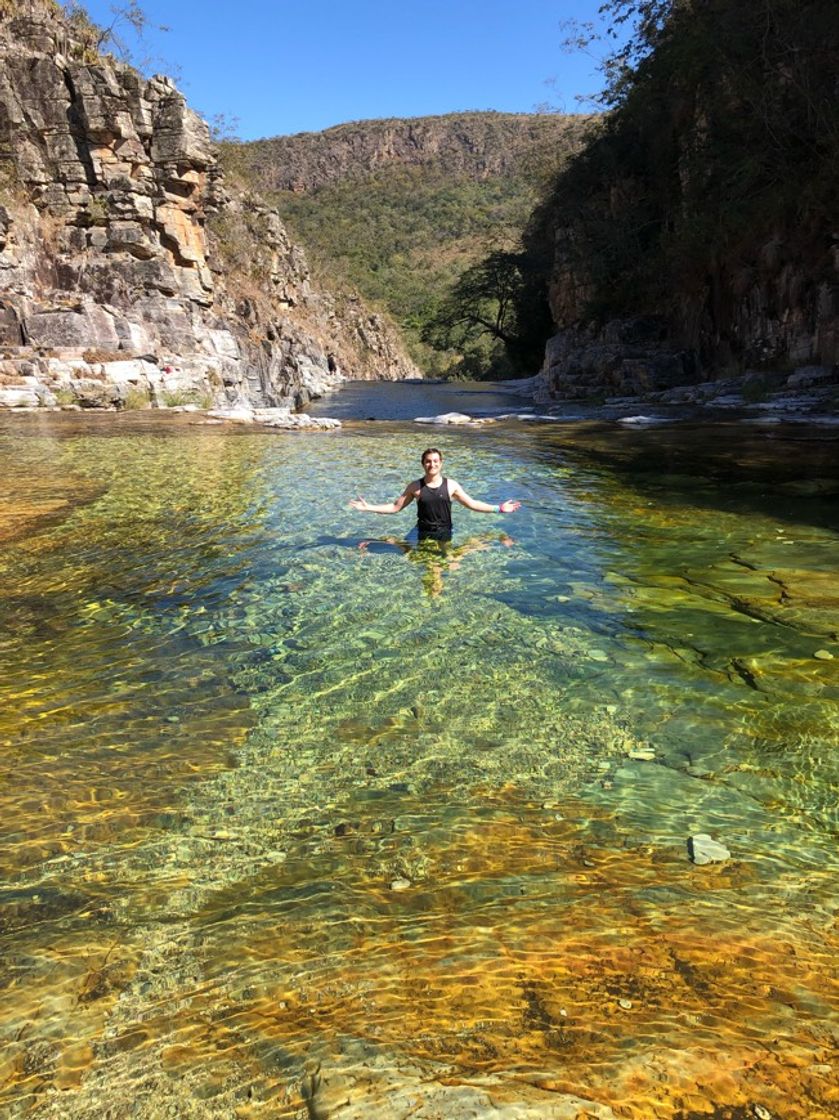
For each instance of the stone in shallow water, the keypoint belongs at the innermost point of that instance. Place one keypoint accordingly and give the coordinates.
(456, 418)
(273, 418)
(75, 1059)
(703, 849)
(642, 754)
(823, 655)
(374, 1090)
(400, 884)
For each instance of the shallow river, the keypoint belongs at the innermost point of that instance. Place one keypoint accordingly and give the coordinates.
(294, 828)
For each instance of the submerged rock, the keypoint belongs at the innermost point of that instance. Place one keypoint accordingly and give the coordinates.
(449, 418)
(704, 849)
(641, 754)
(274, 418)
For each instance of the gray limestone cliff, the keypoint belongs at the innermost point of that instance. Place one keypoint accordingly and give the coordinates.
(129, 274)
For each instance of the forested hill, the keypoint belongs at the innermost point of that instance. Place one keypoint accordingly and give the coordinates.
(400, 209)
(476, 145)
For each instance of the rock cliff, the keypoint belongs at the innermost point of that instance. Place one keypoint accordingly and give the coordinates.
(778, 311)
(129, 274)
(694, 236)
(473, 145)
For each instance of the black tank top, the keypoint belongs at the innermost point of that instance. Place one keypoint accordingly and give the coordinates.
(434, 512)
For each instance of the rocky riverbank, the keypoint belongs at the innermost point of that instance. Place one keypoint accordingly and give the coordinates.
(809, 391)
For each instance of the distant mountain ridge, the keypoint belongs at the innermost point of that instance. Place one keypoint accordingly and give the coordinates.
(474, 144)
(398, 209)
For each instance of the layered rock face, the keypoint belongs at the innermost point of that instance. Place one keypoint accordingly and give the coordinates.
(128, 274)
(706, 199)
(626, 357)
(783, 313)
(474, 145)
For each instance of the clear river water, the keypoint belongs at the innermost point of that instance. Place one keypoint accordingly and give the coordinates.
(295, 828)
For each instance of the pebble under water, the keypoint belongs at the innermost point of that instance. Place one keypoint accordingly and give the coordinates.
(299, 829)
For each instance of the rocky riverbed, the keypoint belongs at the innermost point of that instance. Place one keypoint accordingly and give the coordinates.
(301, 829)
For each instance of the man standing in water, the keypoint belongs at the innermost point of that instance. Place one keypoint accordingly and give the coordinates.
(433, 495)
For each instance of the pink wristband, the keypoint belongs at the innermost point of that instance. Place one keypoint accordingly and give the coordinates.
(500, 510)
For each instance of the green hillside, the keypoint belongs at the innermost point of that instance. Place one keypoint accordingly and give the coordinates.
(402, 237)
(398, 210)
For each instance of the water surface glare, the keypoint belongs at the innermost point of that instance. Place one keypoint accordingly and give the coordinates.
(299, 829)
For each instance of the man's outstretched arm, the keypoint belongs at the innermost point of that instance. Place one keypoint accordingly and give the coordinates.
(404, 499)
(456, 491)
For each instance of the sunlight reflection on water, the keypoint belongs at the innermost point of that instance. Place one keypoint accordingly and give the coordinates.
(292, 825)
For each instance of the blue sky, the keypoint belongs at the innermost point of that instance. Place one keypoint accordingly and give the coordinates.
(289, 67)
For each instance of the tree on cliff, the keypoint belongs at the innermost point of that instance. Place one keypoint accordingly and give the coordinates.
(494, 298)
(128, 21)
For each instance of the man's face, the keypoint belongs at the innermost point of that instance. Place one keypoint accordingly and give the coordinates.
(432, 463)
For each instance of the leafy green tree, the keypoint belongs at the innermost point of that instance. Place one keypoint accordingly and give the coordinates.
(495, 299)
(481, 302)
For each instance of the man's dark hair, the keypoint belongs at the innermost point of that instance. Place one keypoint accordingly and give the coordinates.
(430, 451)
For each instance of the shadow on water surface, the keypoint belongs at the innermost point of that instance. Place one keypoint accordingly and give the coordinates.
(790, 472)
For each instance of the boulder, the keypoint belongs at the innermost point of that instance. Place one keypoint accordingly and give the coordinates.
(18, 397)
(96, 394)
(703, 850)
(456, 418)
(808, 376)
(626, 357)
(132, 372)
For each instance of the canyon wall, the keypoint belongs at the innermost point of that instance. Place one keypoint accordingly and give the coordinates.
(129, 274)
(694, 236)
